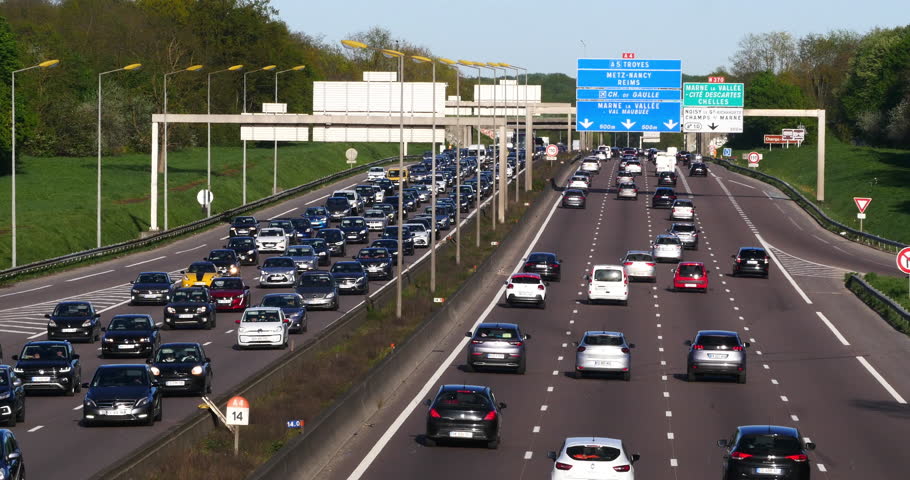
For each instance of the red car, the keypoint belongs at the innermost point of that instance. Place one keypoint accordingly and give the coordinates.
(230, 293)
(691, 276)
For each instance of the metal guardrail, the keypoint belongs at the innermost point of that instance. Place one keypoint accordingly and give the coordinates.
(812, 209)
(855, 282)
(77, 257)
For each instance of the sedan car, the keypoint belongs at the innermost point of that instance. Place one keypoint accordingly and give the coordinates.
(690, 276)
(751, 261)
(378, 262)
(132, 335)
(420, 233)
(376, 219)
(545, 264)
(246, 249)
(318, 217)
(74, 321)
(766, 451)
(243, 227)
(603, 352)
(640, 265)
(318, 290)
(338, 208)
(667, 248)
(682, 209)
(49, 366)
(355, 229)
(271, 240)
(199, 274)
(526, 288)
(663, 197)
(500, 345)
(12, 397)
(12, 465)
(593, 457)
(320, 247)
(698, 169)
(262, 327)
(122, 393)
(278, 272)
(716, 352)
(304, 256)
(464, 412)
(687, 233)
(150, 288)
(334, 241)
(182, 368)
(350, 277)
(627, 190)
(230, 293)
(294, 309)
(193, 307)
(574, 198)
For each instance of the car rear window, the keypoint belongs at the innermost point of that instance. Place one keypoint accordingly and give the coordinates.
(709, 341)
(497, 333)
(683, 228)
(769, 444)
(667, 241)
(540, 257)
(693, 271)
(682, 203)
(752, 253)
(525, 280)
(593, 453)
(463, 400)
(261, 316)
(608, 340)
(227, 283)
(639, 257)
(608, 275)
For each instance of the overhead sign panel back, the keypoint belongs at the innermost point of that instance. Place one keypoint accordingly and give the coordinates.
(713, 95)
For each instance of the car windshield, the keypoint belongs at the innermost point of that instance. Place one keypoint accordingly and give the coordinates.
(388, 243)
(315, 242)
(374, 214)
(281, 301)
(201, 268)
(300, 223)
(153, 278)
(593, 453)
(316, 281)
(639, 257)
(43, 352)
(282, 224)
(221, 255)
(373, 253)
(541, 258)
(608, 275)
(189, 296)
(130, 323)
(121, 377)
(331, 235)
(607, 340)
(525, 279)
(261, 316)
(497, 333)
(245, 221)
(667, 241)
(344, 267)
(353, 223)
(716, 341)
(181, 354)
(693, 271)
(72, 310)
(278, 263)
(463, 400)
(315, 211)
(271, 232)
(241, 243)
(301, 251)
(227, 284)
(337, 202)
(769, 444)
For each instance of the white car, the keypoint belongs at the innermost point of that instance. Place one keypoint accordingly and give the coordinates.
(633, 167)
(608, 283)
(271, 240)
(375, 173)
(667, 248)
(262, 327)
(682, 210)
(578, 181)
(593, 458)
(526, 288)
(421, 234)
(591, 165)
(603, 352)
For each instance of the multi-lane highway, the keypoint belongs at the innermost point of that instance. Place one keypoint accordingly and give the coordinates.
(53, 442)
(820, 360)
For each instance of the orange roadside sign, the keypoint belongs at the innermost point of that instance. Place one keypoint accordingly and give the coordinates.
(238, 402)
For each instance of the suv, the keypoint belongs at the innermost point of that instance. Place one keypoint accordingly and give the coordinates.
(375, 173)
(190, 306)
(687, 233)
(497, 345)
(766, 451)
(627, 190)
(719, 352)
(12, 397)
(464, 412)
(150, 287)
(122, 393)
(666, 179)
(663, 197)
(182, 368)
(49, 365)
(751, 260)
(640, 265)
(603, 352)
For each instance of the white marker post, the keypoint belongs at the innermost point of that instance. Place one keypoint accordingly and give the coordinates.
(238, 413)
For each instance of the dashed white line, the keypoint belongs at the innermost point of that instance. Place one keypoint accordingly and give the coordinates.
(190, 249)
(206, 344)
(229, 331)
(89, 275)
(285, 213)
(673, 462)
(26, 291)
(834, 329)
(35, 429)
(821, 467)
(149, 260)
(794, 418)
(549, 389)
(784, 398)
(78, 407)
(543, 408)
(670, 436)
(669, 413)
(528, 455)
(536, 429)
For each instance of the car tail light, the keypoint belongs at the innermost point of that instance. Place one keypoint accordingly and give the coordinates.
(740, 455)
(801, 457)
(563, 466)
(766, 259)
(476, 342)
(622, 468)
(737, 348)
(541, 287)
(738, 260)
(627, 263)
(529, 265)
(491, 415)
(698, 347)
(625, 350)
(554, 265)
(581, 349)
(434, 413)
(510, 286)
(517, 343)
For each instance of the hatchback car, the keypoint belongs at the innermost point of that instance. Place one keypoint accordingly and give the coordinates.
(464, 412)
(230, 293)
(603, 352)
(192, 306)
(682, 209)
(338, 208)
(591, 165)
(420, 233)
(376, 219)
(318, 290)
(378, 262)
(122, 393)
(698, 169)
(74, 321)
(318, 217)
(246, 249)
(663, 197)
(766, 451)
(690, 276)
(627, 190)
(271, 240)
(150, 288)
(406, 237)
(624, 177)
(593, 457)
(526, 288)
(12, 397)
(262, 327)
(545, 264)
(351, 277)
(633, 167)
(716, 352)
(666, 179)
(334, 240)
(608, 283)
(574, 198)
(321, 247)
(199, 274)
(182, 368)
(226, 261)
(500, 345)
(579, 182)
(12, 465)
(278, 272)
(640, 265)
(294, 309)
(243, 227)
(304, 257)
(687, 233)
(667, 248)
(751, 261)
(132, 335)
(355, 229)
(49, 366)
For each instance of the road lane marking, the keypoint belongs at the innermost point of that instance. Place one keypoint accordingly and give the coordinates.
(528, 455)
(882, 380)
(285, 213)
(821, 468)
(90, 275)
(26, 291)
(146, 261)
(782, 269)
(78, 407)
(206, 344)
(190, 249)
(743, 184)
(673, 462)
(33, 336)
(536, 429)
(35, 429)
(794, 418)
(834, 329)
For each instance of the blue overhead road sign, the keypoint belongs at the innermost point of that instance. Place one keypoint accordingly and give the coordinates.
(627, 64)
(619, 116)
(626, 94)
(630, 79)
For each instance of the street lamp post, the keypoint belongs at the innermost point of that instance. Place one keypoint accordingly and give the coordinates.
(191, 68)
(470, 64)
(265, 68)
(208, 150)
(515, 144)
(44, 64)
(502, 153)
(454, 65)
(275, 147)
(433, 184)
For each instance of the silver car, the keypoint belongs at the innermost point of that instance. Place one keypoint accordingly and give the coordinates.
(304, 256)
(667, 248)
(497, 345)
(624, 177)
(603, 352)
(627, 190)
(687, 233)
(376, 219)
(682, 209)
(278, 272)
(717, 352)
(640, 265)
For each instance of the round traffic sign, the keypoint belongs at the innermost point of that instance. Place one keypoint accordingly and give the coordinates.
(205, 197)
(552, 150)
(351, 154)
(754, 157)
(903, 260)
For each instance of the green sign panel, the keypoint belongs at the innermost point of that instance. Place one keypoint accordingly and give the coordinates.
(713, 95)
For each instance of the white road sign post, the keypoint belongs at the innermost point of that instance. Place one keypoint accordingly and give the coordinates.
(903, 263)
(862, 203)
(754, 158)
(351, 155)
(205, 197)
(237, 413)
(552, 151)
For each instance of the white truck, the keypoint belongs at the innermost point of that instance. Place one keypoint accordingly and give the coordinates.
(664, 162)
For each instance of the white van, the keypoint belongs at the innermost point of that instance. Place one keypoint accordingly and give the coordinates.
(664, 163)
(608, 283)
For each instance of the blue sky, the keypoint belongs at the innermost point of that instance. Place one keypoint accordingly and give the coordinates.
(547, 36)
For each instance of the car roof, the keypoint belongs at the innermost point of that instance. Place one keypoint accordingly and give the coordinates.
(271, 309)
(604, 332)
(497, 325)
(347, 262)
(595, 267)
(701, 264)
(122, 365)
(132, 315)
(75, 302)
(180, 344)
(154, 273)
(718, 333)
(47, 342)
(766, 429)
(604, 441)
(666, 235)
(751, 248)
(227, 278)
(473, 388)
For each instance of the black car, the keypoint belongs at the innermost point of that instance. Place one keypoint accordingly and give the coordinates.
(122, 393)
(49, 366)
(226, 261)
(321, 247)
(751, 261)
(334, 240)
(378, 262)
(244, 227)
(698, 169)
(12, 397)
(367, 193)
(302, 229)
(666, 179)
(547, 265)
(133, 335)
(318, 290)
(246, 249)
(74, 321)
(573, 198)
(12, 465)
(389, 210)
(182, 368)
(663, 197)
(464, 412)
(294, 309)
(355, 229)
(389, 244)
(338, 208)
(407, 238)
(766, 451)
(386, 185)
(150, 288)
(350, 277)
(190, 306)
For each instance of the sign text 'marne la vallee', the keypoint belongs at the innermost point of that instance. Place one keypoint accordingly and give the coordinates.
(718, 94)
(628, 108)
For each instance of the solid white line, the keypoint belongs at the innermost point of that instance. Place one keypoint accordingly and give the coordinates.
(145, 261)
(225, 237)
(743, 184)
(782, 269)
(91, 275)
(315, 200)
(25, 291)
(834, 329)
(190, 249)
(417, 400)
(284, 213)
(78, 407)
(35, 429)
(882, 381)
(114, 306)
(33, 336)
(17, 331)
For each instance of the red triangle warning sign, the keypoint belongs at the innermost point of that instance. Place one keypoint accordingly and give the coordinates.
(862, 203)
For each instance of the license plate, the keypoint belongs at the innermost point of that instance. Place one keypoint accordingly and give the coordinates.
(602, 363)
(126, 347)
(769, 471)
(717, 355)
(224, 300)
(690, 285)
(496, 355)
(174, 383)
(69, 330)
(41, 379)
(461, 434)
(117, 412)
(149, 295)
(186, 315)
(752, 262)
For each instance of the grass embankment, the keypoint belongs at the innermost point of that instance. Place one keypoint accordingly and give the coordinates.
(56, 197)
(306, 392)
(850, 171)
(895, 288)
